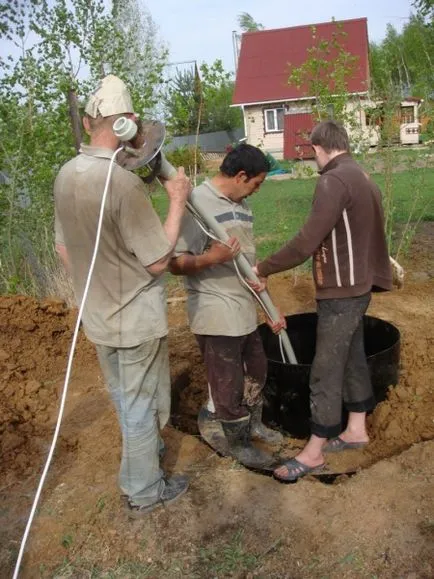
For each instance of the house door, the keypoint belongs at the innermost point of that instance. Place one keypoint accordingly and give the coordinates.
(296, 133)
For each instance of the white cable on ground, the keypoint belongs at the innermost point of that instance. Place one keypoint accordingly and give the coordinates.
(68, 371)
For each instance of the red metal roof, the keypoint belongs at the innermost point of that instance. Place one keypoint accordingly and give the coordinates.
(263, 65)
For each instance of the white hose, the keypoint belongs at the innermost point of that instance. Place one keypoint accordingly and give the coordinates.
(68, 370)
(240, 277)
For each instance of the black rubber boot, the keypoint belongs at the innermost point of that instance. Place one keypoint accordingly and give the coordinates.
(258, 430)
(240, 446)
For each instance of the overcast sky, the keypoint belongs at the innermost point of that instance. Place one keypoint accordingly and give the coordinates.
(202, 29)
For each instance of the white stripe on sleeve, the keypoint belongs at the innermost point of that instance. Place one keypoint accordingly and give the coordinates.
(350, 246)
(335, 259)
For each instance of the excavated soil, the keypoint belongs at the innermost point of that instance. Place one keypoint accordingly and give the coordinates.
(378, 523)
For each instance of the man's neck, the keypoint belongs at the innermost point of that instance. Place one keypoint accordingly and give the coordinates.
(333, 154)
(104, 140)
(223, 184)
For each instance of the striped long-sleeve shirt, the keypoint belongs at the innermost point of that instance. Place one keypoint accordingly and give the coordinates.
(344, 234)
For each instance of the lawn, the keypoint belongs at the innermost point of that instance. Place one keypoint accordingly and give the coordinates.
(280, 207)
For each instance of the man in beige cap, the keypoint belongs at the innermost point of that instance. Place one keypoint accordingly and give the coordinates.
(125, 311)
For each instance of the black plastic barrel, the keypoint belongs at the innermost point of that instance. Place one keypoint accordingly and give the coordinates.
(286, 393)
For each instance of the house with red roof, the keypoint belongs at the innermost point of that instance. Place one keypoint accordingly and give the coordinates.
(278, 115)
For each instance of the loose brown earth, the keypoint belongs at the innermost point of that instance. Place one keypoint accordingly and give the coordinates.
(233, 522)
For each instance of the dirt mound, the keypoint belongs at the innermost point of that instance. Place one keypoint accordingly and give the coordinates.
(35, 338)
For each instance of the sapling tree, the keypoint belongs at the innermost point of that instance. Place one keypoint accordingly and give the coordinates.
(58, 50)
(325, 74)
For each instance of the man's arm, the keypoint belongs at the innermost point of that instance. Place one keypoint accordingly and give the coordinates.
(178, 189)
(328, 205)
(145, 236)
(188, 264)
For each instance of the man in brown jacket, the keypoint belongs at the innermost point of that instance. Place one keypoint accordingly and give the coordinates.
(344, 234)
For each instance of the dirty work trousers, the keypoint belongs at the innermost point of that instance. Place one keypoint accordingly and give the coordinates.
(236, 369)
(339, 373)
(138, 381)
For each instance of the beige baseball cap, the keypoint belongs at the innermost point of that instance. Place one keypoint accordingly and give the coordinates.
(110, 97)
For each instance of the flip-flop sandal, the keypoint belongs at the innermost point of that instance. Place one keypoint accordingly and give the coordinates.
(337, 445)
(299, 470)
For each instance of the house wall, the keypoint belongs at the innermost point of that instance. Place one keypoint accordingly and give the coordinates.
(361, 134)
(274, 142)
(255, 130)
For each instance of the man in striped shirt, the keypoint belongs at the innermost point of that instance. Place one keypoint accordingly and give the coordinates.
(344, 234)
(221, 309)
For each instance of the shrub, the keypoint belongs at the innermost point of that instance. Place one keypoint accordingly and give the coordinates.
(185, 157)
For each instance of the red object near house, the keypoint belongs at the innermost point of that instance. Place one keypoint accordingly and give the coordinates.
(297, 129)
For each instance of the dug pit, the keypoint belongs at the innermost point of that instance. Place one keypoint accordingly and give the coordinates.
(286, 392)
(398, 344)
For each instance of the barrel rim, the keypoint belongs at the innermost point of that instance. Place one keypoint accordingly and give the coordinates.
(397, 342)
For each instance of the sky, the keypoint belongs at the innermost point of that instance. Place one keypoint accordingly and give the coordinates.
(201, 30)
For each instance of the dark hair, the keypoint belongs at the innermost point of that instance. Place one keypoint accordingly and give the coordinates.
(245, 158)
(331, 136)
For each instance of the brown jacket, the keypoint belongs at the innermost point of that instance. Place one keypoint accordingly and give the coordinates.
(344, 233)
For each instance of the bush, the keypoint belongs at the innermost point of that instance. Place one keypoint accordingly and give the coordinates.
(185, 157)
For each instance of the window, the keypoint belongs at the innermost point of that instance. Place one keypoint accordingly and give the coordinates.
(407, 114)
(274, 120)
(330, 111)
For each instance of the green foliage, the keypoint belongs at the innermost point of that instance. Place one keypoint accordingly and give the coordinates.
(232, 558)
(425, 8)
(71, 40)
(209, 93)
(325, 73)
(403, 62)
(67, 541)
(401, 65)
(182, 102)
(186, 157)
(142, 56)
(218, 88)
(247, 23)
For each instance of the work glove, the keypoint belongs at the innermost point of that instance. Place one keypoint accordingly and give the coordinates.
(397, 273)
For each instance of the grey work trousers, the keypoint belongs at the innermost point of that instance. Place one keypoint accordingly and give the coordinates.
(138, 381)
(339, 373)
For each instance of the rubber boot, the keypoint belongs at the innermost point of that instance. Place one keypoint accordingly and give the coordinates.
(240, 446)
(258, 430)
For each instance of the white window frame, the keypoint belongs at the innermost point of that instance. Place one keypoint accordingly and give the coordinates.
(275, 109)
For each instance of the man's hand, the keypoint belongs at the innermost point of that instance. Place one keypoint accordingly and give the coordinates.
(277, 326)
(178, 188)
(260, 285)
(221, 253)
(397, 273)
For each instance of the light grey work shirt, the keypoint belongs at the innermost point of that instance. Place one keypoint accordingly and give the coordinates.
(125, 305)
(218, 303)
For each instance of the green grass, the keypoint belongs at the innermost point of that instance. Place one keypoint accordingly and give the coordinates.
(280, 207)
(227, 558)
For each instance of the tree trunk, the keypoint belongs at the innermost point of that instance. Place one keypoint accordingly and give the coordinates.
(74, 117)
